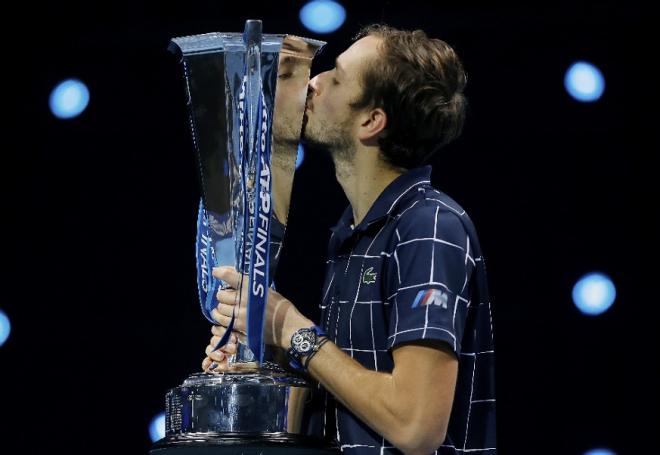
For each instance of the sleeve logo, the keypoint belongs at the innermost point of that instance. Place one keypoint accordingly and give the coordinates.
(431, 297)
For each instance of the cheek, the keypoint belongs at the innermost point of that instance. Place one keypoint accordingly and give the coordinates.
(331, 106)
(338, 111)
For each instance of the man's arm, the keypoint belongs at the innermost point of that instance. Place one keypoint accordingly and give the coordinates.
(410, 407)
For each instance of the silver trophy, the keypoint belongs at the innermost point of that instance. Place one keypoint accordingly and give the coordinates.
(246, 95)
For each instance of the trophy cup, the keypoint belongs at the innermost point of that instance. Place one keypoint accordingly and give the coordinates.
(246, 96)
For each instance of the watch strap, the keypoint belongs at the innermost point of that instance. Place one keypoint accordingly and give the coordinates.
(295, 357)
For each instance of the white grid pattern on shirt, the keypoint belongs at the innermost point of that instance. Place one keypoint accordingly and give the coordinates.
(433, 240)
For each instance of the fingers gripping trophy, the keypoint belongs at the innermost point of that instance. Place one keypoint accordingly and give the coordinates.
(246, 96)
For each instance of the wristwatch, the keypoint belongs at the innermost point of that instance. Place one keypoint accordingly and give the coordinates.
(304, 342)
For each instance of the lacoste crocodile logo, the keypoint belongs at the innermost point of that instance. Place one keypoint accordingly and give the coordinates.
(369, 276)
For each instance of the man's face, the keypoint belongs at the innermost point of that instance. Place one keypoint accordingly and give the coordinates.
(294, 63)
(290, 99)
(330, 123)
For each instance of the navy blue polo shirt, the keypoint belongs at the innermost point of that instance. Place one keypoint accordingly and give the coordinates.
(411, 270)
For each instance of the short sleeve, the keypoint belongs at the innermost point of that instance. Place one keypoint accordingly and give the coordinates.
(428, 277)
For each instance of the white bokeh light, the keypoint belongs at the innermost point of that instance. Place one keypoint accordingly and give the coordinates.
(594, 293)
(322, 16)
(301, 156)
(157, 427)
(599, 452)
(584, 82)
(5, 327)
(68, 99)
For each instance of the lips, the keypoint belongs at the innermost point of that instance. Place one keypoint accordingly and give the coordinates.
(308, 101)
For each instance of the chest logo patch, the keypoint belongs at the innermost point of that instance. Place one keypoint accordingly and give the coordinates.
(369, 276)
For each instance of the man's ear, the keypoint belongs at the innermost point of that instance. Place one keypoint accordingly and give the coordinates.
(372, 124)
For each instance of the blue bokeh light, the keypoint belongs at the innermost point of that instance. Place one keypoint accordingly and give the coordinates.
(5, 327)
(157, 427)
(301, 156)
(599, 452)
(594, 294)
(322, 16)
(584, 82)
(68, 99)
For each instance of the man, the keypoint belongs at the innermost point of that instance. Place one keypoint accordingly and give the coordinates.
(409, 365)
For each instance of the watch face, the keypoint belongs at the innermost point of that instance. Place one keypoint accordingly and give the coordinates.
(303, 341)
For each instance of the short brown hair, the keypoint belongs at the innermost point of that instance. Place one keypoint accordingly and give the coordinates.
(419, 84)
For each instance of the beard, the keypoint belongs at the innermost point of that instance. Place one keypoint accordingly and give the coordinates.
(334, 139)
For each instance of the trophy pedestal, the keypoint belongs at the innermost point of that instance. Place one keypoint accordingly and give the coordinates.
(244, 445)
(244, 411)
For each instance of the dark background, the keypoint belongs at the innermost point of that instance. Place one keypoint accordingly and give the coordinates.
(99, 214)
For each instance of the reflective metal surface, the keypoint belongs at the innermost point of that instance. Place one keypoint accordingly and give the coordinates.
(264, 402)
(246, 96)
(294, 65)
(233, 82)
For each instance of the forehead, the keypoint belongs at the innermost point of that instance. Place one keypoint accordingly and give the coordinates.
(360, 52)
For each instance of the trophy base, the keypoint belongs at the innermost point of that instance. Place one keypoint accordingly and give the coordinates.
(263, 405)
(243, 444)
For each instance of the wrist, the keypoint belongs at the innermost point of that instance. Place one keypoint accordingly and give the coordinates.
(305, 343)
(291, 328)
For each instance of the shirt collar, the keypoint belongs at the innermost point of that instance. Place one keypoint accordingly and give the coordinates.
(388, 200)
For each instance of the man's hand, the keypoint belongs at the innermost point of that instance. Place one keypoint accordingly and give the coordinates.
(218, 361)
(282, 317)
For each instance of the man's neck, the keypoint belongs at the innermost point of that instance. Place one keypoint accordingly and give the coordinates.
(364, 179)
